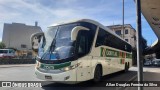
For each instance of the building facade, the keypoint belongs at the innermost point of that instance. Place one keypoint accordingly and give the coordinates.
(17, 35)
(129, 33)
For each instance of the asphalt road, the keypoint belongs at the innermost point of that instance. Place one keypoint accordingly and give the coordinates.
(17, 73)
(26, 73)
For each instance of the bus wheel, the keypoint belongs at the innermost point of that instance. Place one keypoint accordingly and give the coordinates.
(126, 67)
(97, 74)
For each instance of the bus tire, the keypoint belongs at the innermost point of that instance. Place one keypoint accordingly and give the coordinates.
(126, 67)
(97, 74)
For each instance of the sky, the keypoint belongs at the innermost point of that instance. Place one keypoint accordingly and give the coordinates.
(47, 12)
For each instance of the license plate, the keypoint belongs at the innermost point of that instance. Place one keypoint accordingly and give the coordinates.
(48, 77)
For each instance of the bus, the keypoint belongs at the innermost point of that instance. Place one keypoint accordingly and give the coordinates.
(80, 50)
(7, 53)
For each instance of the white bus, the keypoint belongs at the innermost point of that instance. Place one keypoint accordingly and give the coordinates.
(7, 53)
(79, 51)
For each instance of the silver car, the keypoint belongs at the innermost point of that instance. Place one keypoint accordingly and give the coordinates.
(156, 62)
(148, 63)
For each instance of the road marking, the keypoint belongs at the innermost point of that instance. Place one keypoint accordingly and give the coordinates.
(132, 79)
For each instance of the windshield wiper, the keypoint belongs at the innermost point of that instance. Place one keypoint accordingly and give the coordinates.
(52, 47)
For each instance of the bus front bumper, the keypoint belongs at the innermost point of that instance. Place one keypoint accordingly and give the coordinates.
(64, 77)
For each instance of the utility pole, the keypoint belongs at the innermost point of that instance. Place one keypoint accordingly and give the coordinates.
(139, 44)
(123, 19)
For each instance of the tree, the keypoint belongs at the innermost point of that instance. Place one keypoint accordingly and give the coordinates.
(2, 45)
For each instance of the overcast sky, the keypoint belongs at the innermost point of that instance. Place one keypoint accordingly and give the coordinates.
(47, 12)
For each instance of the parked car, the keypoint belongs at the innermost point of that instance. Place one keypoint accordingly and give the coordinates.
(156, 62)
(7, 53)
(148, 63)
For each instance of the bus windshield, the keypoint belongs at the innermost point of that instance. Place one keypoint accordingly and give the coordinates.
(56, 43)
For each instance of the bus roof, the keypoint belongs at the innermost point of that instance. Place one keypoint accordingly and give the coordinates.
(93, 22)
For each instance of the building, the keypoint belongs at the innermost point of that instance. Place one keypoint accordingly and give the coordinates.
(17, 35)
(129, 33)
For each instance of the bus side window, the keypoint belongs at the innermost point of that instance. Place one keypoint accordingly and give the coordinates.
(103, 38)
(107, 39)
(100, 38)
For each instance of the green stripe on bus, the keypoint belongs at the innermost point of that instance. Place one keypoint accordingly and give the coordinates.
(55, 66)
(108, 53)
(128, 55)
(105, 52)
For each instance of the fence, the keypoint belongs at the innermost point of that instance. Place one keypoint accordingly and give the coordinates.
(17, 61)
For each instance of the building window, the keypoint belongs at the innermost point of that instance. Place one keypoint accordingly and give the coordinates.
(134, 37)
(126, 40)
(118, 32)
(23, 46)
(126, 31)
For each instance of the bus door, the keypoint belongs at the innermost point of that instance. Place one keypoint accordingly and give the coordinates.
(84, 69)
(84, 60)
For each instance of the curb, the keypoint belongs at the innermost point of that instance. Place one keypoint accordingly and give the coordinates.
(17, 65)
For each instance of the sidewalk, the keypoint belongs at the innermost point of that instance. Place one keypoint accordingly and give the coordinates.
(149, 74)
(16, 65)
(147, 69)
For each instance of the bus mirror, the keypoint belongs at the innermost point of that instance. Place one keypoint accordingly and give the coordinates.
(75, 31)
(35, 40)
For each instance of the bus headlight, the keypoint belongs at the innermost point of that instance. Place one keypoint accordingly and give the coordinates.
(67, 68)
(70, 67)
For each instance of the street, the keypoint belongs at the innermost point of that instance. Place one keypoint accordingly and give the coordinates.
(18, 73)
(26, 73)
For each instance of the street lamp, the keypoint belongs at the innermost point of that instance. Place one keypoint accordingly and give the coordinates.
(139, 43)
(123, 19)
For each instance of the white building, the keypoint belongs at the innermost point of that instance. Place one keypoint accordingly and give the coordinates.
(129, 33)
(17, 35)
